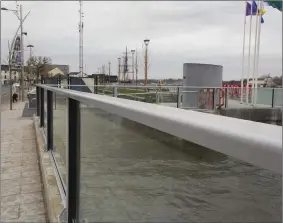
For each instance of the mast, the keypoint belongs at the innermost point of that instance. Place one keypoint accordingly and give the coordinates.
(81, 44)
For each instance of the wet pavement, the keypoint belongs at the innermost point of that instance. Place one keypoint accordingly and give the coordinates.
(21, 188)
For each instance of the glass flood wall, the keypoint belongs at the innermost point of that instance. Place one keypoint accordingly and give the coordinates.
(60, 133)
(45, 112)
(133, 173)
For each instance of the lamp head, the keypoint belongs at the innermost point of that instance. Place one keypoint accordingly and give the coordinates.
(30, 46)
(3, 8)
(146, 41)
(25, 33)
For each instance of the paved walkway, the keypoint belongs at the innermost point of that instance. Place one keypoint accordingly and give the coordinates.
(21, 188)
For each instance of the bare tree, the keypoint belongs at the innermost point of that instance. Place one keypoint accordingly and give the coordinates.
(38, 64)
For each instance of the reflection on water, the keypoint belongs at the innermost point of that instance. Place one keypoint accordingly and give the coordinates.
(132, 173)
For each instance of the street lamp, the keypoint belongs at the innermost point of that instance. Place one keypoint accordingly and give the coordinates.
(146, 42)
(20, 17)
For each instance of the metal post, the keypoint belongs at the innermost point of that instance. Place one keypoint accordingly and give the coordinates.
(49, 120)
(115, 92)
(41, 107)
(11, 87)
(272, 100)
(109, 64)
(37, 101)
(68, 81)
(179, 97)
(226, 97)
(96, 83)
(145, 66)
(213, 98)
(22, 53)
(73, 181)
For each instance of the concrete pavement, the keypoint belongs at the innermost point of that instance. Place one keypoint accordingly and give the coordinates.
(21, 187)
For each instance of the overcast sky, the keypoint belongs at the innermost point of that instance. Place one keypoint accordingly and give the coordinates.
(180, 32)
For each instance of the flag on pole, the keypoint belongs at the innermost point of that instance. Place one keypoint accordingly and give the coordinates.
(253, 9)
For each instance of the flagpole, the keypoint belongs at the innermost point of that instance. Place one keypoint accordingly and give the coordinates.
(255, 56)
(249, 57)
(243, 53)
(258, 47)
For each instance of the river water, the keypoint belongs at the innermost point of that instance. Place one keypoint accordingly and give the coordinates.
(132, 173)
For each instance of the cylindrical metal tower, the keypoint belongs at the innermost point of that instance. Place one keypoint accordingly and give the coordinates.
(198, 76)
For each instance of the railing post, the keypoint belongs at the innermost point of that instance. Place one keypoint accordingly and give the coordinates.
(41, 107)
(179, 95)
(49, 120)
(272, 100)
(213, 98)
(156, 97)
(115, 92)
(73, 181)
(68, 81)
(226, 97)
(37, 101)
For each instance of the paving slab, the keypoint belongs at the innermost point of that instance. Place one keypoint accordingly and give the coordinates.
(21, 187)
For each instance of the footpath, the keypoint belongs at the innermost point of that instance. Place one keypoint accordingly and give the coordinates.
(21, 186)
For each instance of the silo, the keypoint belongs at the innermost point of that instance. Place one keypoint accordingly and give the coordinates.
(199, 76)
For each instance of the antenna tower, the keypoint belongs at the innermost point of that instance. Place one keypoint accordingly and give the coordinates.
(81, 41)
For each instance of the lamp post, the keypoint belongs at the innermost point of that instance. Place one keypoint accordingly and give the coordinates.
(146, 42)
(133, 64)
(30, 53)
(20, 17)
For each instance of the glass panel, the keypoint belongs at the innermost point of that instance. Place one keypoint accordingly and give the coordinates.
(60, 133)
(264, 96)
(166, 96)
(133, 173)
(149, 95)
(89, 82)
(45, 112)
(278, 97)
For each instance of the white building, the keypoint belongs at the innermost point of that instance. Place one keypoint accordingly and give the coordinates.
(5, 75)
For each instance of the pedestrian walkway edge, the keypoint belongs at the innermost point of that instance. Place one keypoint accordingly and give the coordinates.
(52, 198)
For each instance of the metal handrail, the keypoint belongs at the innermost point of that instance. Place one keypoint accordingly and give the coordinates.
(256, 143)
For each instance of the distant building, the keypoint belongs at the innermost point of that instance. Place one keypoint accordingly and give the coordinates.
(103, 78)
(5, 74)
(49, 69)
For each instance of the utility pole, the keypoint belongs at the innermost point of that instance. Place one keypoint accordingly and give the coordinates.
(136, 67)
(109, 64)
(146, 42)
(119, 69)
(133, 65)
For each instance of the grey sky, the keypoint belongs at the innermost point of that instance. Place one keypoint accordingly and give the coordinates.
(188, 31)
